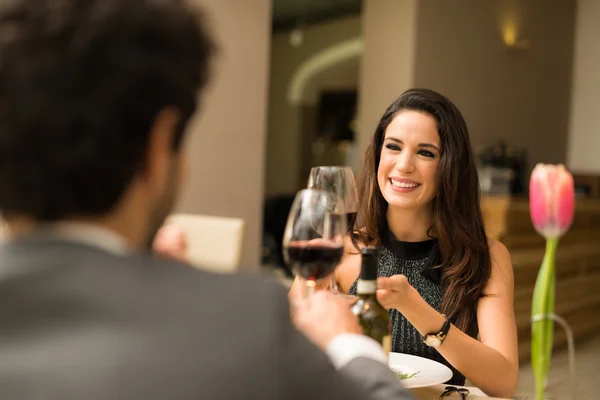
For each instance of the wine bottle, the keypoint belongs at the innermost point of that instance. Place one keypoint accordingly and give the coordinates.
(374, 319)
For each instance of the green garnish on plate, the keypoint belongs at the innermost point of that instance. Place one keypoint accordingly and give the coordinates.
(403, 376)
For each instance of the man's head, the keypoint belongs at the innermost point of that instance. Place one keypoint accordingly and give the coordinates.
(95, 96)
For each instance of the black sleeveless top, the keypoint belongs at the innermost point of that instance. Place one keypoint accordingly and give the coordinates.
(415, 261)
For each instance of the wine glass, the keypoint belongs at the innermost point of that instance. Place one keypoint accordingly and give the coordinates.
(313, 241)
(339, 182)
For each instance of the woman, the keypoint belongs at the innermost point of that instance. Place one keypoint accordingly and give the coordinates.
(419, 199)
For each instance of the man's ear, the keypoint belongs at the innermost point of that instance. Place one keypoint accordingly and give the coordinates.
(159, 153)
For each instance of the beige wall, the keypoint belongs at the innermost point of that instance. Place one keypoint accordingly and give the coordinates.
(227, 141)
(389, 28)
(341, 76)
(284, 143)
(521, 96)
(584, 138)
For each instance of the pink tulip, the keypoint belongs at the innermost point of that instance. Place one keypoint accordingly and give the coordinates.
(551, 206)
(551, 199)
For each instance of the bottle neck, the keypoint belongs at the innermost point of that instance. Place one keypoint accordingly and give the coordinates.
(366, 288)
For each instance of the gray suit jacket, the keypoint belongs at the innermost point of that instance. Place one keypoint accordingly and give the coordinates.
(80, 323)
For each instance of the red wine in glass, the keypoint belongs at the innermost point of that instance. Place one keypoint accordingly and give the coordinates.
(314, 262)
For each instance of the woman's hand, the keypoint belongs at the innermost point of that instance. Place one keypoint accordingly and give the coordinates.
(393, 292)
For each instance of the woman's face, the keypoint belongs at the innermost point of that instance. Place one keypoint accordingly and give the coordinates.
(408, 165)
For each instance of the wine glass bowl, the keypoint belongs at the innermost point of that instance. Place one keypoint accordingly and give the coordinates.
(340, 184)
(313, 241)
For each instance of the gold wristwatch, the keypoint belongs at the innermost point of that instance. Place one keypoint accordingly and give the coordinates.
(434, 339)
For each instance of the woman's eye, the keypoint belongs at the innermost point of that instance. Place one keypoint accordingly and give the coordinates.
(394, 147)
(426, 153)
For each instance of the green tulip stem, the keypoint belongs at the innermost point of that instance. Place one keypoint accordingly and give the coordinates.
(542, 331)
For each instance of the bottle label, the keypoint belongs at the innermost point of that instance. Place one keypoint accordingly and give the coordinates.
(386, 343)
(366, 287)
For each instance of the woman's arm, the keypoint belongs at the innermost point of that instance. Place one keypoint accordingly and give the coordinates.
(491, 364)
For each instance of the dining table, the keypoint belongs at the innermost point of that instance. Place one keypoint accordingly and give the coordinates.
(434, 392)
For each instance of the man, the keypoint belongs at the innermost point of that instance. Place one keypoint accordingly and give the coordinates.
(94, 100)
(170, 241)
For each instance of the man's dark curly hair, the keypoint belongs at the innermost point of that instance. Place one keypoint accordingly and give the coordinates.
(81, 83)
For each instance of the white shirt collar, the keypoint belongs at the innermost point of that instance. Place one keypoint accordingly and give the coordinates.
(88, 234)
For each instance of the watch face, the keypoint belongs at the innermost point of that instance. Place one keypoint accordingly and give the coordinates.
(432, 341)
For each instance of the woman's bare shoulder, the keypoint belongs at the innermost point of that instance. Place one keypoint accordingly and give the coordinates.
(499, 253)
(502, 276)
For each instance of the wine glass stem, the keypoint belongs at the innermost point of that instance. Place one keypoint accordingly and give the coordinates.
(309, 288)
(333, 287)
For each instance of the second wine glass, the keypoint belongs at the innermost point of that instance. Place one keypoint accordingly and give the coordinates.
(339, 182)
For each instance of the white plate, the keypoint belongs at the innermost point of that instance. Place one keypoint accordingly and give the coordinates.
(430, 372)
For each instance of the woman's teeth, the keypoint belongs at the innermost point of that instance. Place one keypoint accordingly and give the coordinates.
(404, 184)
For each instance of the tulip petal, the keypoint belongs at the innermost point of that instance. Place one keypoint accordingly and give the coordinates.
(566, 201)
(538, 198)
(551, 199)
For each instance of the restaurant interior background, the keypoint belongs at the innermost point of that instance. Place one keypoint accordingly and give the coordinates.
(336, 65)
(300, 83)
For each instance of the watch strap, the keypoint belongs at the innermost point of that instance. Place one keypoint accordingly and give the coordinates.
(442, 333)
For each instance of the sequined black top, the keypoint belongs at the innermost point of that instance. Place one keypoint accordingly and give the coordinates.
(415, 261)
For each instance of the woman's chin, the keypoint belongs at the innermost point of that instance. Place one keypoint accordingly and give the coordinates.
(396, 202)
(401, 202)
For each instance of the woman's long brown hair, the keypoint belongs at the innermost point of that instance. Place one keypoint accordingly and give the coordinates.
(457, 221)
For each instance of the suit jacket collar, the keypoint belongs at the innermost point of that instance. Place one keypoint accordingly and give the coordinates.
(80, 233)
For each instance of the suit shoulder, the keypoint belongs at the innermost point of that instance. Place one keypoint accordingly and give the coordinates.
(242, 290)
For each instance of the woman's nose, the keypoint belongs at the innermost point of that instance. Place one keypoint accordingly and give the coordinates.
(405, 162)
